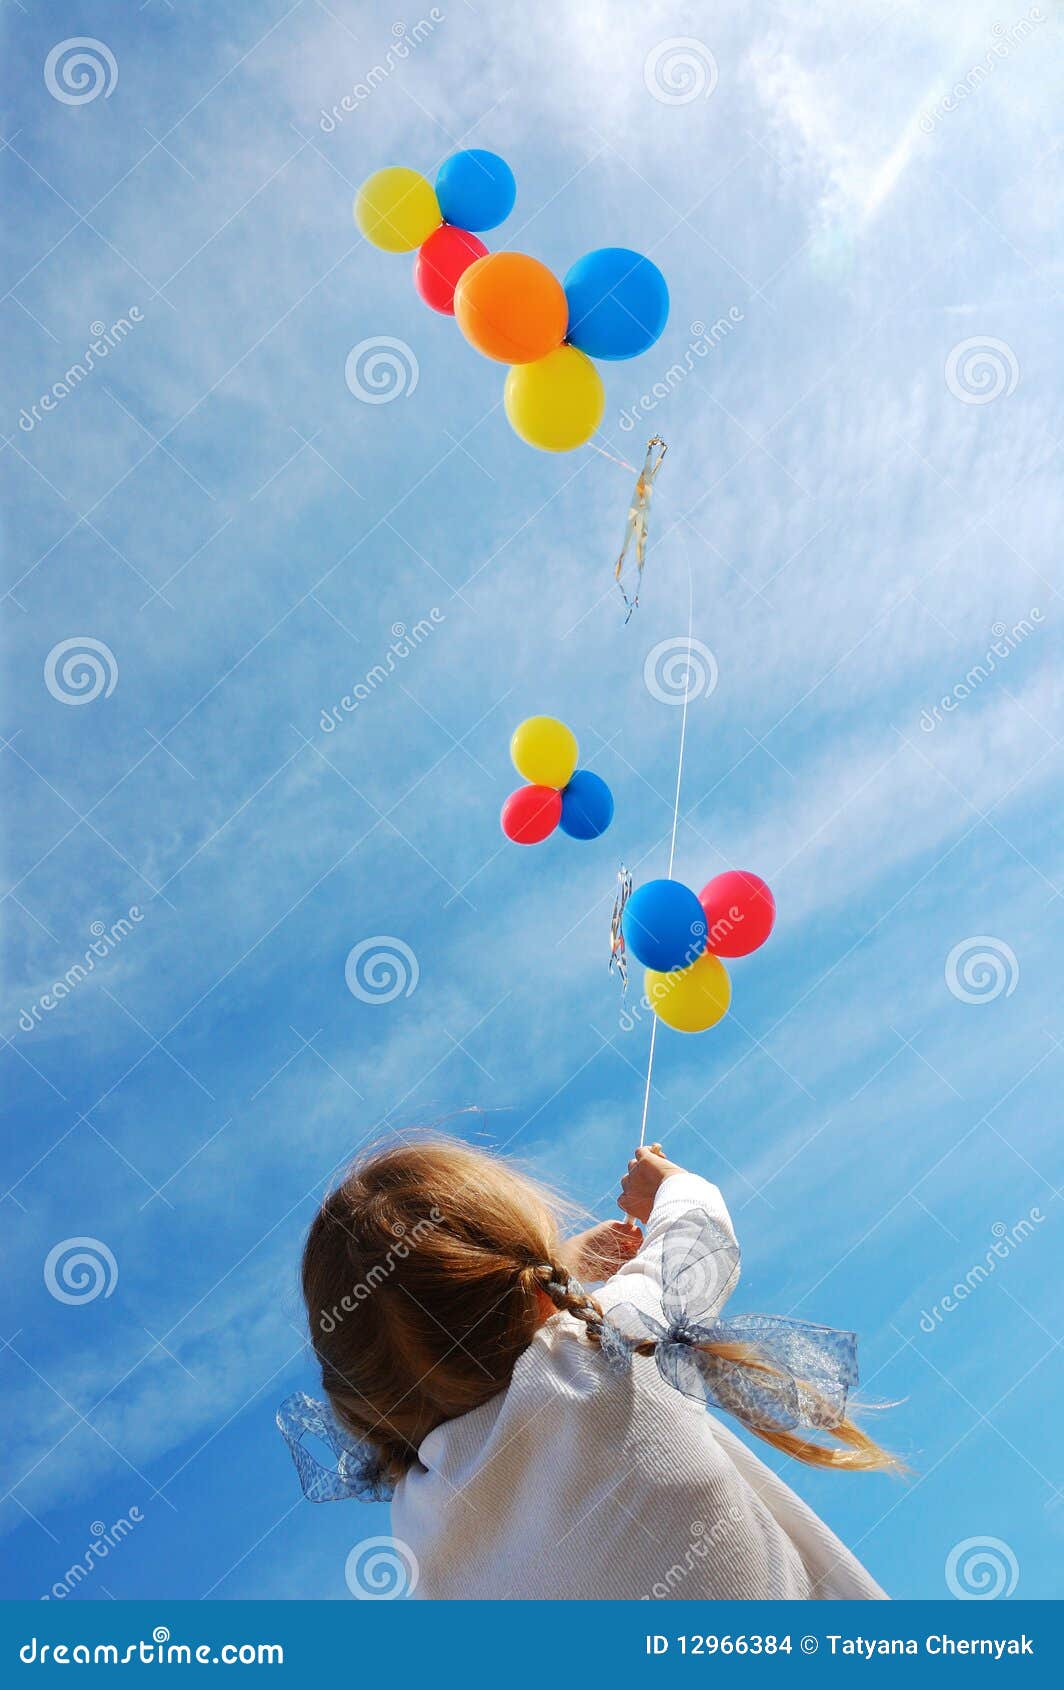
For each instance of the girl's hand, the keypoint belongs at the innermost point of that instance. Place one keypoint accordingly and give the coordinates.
(602, 1249)
(639, 1187)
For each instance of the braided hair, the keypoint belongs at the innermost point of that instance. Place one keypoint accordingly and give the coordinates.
(424, 1275)
(569, 1297)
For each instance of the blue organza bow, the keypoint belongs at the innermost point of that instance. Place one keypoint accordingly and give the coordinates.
(805, 1372)
(803, 1380)
(357, 1473)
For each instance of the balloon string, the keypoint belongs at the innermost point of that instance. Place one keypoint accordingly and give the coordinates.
(646, 1093)
(672, 842)
(603, 453)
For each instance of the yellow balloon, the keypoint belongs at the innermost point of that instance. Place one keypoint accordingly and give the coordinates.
(690, 999)
(397, 209)
(557, 402)
(544, 750)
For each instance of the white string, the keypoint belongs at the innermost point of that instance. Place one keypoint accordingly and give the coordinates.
(672, 842)
(650, 1070)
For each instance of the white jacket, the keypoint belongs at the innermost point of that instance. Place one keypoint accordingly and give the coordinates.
(578, 1483)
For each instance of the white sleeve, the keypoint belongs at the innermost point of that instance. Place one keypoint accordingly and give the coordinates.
(639, 1281)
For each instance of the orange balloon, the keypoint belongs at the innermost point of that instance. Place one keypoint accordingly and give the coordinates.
(511, 308)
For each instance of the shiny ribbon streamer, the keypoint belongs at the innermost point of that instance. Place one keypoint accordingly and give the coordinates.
(618, 953)
(638, 520)
(357, 1474)
(806, 1371)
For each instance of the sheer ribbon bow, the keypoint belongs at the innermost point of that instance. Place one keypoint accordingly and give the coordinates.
(801, 1378)
(803, 1373)
(357, 1473)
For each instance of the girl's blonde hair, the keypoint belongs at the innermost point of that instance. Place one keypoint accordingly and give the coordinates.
(424, 1275)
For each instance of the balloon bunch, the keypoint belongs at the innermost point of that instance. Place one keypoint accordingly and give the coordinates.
(559, 794)
(680, 940)
(613, 303)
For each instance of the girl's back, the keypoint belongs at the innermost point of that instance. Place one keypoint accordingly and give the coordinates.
(584, 1482)
(545, 1443)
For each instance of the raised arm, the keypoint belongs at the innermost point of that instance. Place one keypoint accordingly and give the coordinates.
(659, 1193)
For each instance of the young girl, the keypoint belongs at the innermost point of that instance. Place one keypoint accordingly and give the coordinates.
(546, 1443)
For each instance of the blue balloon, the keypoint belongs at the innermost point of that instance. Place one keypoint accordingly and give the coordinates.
(587, 806)
(476, 190)
(618, 303)
(664, 925)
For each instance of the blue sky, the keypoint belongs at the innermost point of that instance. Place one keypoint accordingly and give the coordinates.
(862, 489)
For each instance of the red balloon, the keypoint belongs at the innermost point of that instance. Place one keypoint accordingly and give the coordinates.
(740, 912)
(531, 813)
(444, 257)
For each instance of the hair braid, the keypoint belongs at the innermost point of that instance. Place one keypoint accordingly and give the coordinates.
(858, 1452)
(569, 1296)
(425, 1274)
